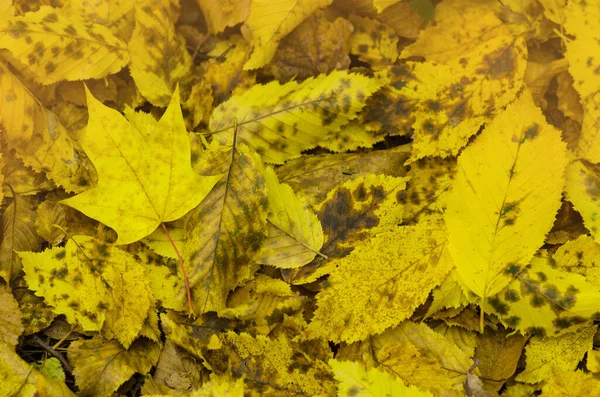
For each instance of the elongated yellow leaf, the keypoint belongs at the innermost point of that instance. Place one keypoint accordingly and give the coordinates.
(588, 147)
(92, 284)
(295, 235)
(562, 352)
(355, 381)
(10, 327)
(505, 196)
(56, 48)
(580, 256)
(159, 59)
(270, 21)
(145, 176)
(101, 367)
(381, 282)
(280, 121)
(226, 230)
(37, 136)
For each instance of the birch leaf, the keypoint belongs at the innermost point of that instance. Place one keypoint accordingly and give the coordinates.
(581, 256)
(280, 121)
(93, 284)
(152, 168)
(381, 282)
(159, 59)
(498, 215)
(269, 22)
(56, 48)
(101, 367)
(228, 227)
(354, 380)
(562, 353)
(117, 15)
(295, 235)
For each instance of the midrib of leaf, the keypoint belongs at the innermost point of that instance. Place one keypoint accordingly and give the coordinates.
(296, 239)
(255, 120)
(218, 232)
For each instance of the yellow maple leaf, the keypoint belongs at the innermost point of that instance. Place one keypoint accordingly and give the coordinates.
(381, 282)
(159, 59)
(280, 121)
(355, 381)
(269, 22)
(497, 216)
(92, 284)
(56, 48)
(144, 176)
(295, 235)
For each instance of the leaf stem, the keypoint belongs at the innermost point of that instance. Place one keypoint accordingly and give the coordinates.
(185, 277)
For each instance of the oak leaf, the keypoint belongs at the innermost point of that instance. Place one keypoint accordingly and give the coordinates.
(152, 168)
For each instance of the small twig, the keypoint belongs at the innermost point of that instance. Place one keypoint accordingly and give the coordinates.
(57, 344)
(38, 341)
(185, 277)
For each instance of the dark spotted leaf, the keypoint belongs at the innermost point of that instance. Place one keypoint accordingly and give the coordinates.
(93, 284)
(228, 227)
(55, 47)
(280, 121)
(505, 197)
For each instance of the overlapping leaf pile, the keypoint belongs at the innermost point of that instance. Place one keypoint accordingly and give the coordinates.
(369, 198)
